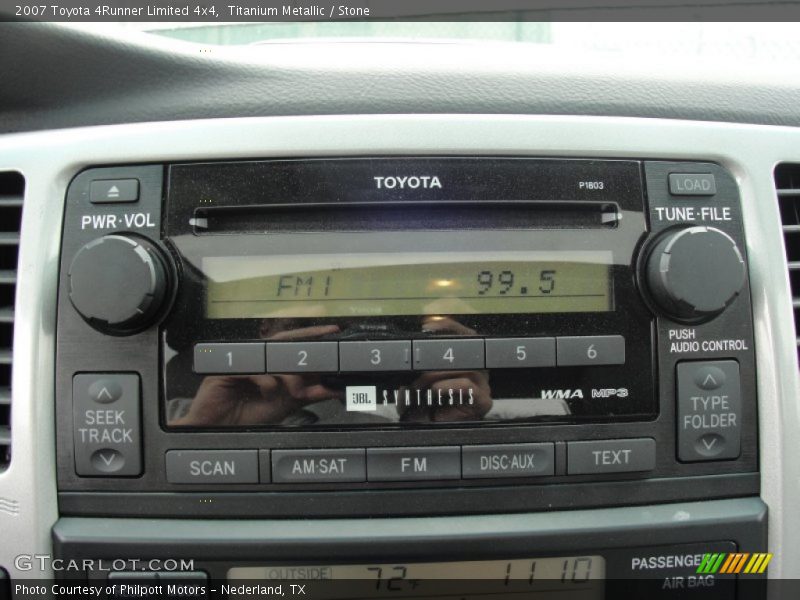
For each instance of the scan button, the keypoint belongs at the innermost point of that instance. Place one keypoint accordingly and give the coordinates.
(212, 466)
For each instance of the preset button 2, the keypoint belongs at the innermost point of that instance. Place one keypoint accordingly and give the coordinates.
(302, 357)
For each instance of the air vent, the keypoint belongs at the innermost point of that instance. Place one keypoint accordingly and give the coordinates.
(787, 183)
(12, 187)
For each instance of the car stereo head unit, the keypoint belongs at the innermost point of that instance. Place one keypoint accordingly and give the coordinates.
(288, 327)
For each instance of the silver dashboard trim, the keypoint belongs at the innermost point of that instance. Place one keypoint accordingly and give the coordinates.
(50, 159)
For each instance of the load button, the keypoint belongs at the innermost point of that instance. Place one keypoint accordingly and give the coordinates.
(692, 184)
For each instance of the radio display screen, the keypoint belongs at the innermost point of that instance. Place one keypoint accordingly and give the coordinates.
(574, 577)
(394, 284)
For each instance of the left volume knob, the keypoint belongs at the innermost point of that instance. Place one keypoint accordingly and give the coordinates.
(119, 284)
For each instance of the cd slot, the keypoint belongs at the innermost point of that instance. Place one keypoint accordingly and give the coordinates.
(405, 216)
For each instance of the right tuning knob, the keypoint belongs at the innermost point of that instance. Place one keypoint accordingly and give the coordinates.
(694, 273)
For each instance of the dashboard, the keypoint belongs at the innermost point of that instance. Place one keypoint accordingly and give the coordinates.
(407, 346)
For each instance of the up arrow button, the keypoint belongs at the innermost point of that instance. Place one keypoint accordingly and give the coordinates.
(105, 391)
(709, 377)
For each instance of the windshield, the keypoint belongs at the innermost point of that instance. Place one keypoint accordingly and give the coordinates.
(728, 41)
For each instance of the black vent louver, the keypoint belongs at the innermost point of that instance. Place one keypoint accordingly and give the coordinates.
(12, 187)
(787, 184)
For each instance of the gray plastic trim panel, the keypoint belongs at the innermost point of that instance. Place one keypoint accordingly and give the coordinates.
(50, 159)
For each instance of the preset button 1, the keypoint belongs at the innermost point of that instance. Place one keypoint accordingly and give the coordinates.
(229, 358)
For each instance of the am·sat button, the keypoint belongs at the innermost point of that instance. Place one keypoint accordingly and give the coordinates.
(212, 466)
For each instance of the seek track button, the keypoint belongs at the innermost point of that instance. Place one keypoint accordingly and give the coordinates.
(107, 428)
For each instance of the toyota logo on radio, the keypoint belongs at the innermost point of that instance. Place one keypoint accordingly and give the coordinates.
(405, 181)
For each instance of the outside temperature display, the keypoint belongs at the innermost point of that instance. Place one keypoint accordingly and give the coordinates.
(407, 284)
(573, 577)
